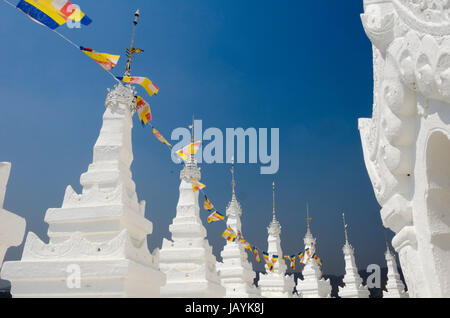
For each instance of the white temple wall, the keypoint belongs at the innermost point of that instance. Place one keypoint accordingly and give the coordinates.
(405, 140)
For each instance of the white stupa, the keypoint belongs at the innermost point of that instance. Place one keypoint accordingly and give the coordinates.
(12, 227)
(98, 239)
(394, 286)
(187, 259)
(353, 287)
(275, 284)
(313, 284)
(236, 272)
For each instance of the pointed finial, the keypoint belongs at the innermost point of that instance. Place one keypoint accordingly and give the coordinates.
(345, 228)
(192, 129)
(233, 184)
(308, 219)
(273, 193)
(132, 50)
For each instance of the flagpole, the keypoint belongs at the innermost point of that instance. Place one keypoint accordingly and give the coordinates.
(130, 53)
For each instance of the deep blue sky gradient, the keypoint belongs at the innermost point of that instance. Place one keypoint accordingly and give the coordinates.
(302, 66)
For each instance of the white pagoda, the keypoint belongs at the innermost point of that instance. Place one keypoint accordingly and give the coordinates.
(353, 287)
(394, 286)
(98, 239)
(12, 227)
(187, 259)
(313, 284)
(276, 284)
(236, 272)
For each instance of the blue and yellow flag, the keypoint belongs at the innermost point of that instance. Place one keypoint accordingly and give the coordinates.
(53, 13)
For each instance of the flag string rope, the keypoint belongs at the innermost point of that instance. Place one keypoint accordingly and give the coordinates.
(152, 126)
(239, 236)
(66, 39)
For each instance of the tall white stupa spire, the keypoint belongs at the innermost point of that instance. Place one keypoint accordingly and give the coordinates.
(394, 286)
(312, 285)
(187, 259)
(275, 284)
(98, 239)
(353, 287)
(236, 272)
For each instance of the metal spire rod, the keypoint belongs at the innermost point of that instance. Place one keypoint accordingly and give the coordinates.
(308, 219)
(233, 184)
(192, 129)
(273, 193)
(130, 53)
(345, 228)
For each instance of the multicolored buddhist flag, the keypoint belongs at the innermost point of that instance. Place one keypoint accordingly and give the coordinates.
(215, 216)
(53, 13)
(246, 245)
(196, 186)
(270, 266)
(143, 81)
(291, 260)
(255, 250)
(229, 234)
(266, 256)
(160, 137)
(189, 150)
(274, 259)
(107, 61)
(143, 110)
(300, 257)
(207, 205)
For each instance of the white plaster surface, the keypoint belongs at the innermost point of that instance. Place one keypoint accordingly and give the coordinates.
(406, 142)
(98, 237)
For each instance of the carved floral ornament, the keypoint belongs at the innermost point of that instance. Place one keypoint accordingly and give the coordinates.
(423, 60)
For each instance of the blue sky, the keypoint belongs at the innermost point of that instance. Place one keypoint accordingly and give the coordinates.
(302, 67)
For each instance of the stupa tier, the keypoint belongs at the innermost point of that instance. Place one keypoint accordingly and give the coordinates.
(236, 272)
(276, 283)
(98, 239)
(394, 286)
(313, 284)
(187, 259)
(353, 283)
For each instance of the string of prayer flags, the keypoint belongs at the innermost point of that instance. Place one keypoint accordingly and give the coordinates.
(255, 250)
(107, 61)
(229, 234)
(246, 245)
(215, 216)
(196, 185)
(160, 137)
(207, 205)
(143, 81)
(274, 258)
(143, 110)
(189, 150)
(53, 13)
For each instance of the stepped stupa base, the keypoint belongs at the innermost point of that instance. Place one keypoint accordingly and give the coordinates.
(276, 286)
(187, 267)
(80, 268)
